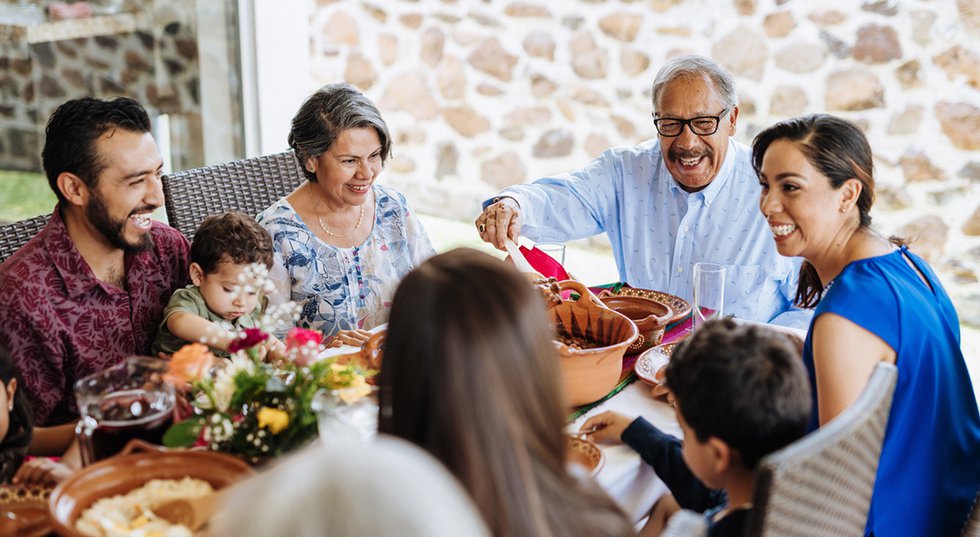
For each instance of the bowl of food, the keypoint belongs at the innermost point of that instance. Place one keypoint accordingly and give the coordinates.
(680, 307)
(580, 453)
(591, 341)
(650, 317)
(119, 493)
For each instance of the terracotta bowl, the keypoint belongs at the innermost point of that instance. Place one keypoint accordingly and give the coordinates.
(581, 452)
(649, 316)
(138, 463)
(589, 374)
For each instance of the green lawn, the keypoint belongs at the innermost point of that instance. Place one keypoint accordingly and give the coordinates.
(23, 195)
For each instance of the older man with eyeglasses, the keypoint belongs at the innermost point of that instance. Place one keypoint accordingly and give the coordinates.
(688, 196)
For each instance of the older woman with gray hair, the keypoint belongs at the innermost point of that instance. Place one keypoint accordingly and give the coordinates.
(344, 241)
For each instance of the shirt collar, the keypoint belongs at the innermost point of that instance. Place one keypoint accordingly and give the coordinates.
(74, 271)
(717, 185)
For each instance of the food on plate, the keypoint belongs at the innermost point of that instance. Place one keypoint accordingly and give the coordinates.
(131, 514)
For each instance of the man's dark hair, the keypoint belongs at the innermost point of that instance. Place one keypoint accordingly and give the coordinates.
(230, 237)
(744, 384)
(69, 138)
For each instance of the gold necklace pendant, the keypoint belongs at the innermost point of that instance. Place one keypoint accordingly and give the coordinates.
(360, 218)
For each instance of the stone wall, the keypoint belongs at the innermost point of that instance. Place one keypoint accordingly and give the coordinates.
(151, 56)
(484, 94)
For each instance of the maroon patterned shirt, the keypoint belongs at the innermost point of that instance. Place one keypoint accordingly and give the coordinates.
(60, 323)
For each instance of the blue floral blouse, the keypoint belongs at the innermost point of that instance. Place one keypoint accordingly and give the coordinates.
(345, 288)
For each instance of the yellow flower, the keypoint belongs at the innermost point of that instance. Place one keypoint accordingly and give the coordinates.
(276, 420)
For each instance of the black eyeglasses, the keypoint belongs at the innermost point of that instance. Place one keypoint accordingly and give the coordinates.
(701, 125)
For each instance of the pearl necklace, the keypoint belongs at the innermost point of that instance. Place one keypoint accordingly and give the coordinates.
(319, 220)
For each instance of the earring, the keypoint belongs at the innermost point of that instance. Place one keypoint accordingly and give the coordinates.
(843, 208)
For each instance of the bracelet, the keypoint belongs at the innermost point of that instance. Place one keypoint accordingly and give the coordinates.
(498, 198)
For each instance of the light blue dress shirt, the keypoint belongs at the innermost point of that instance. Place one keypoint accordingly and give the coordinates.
(658, 231)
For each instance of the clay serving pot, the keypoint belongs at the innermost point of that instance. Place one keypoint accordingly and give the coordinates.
(589, 374)
(137, 464)
(650, 316)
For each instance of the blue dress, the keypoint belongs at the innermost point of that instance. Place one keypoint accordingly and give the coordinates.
(929, 470)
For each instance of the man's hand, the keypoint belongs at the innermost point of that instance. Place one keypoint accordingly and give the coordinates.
(500, 221)
(606, 427)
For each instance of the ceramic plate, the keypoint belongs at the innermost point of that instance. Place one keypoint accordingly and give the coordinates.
(583, 453)
(651, 362)
(24, 511)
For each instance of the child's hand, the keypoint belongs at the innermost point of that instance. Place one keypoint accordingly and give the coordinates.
(606, 427)
(42, 471)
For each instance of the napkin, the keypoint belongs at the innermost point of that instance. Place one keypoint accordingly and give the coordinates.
(544, 263)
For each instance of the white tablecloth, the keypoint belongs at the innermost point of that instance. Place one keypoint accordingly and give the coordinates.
(627, 479)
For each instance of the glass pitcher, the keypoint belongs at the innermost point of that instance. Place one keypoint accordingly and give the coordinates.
(126, 401)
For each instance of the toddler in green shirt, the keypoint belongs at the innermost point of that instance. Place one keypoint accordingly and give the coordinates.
(224, 297)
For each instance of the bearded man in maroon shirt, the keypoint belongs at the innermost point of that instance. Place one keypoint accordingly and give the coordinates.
(90, 288)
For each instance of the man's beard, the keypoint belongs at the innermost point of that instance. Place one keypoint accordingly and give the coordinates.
(114, 230)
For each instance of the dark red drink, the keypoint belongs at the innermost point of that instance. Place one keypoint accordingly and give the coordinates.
(130, 414)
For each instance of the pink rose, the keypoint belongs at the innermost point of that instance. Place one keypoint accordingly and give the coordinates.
(303, 345)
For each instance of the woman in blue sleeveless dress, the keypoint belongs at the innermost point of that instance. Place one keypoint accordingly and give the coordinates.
(875, 301)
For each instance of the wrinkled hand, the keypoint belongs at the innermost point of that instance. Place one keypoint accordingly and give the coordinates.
(608, 427)
(42, 471)
(500, 221)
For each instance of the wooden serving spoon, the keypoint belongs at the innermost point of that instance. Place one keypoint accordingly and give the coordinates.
(191, 512)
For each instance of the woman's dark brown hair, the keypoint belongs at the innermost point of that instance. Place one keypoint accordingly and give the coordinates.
(837, 149)
(470, 374)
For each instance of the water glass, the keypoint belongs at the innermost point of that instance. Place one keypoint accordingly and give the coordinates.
(709, 292)
(347, 412)
(555, 249)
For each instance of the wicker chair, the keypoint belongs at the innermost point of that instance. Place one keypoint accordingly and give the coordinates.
(249, 186)
(13, 236)
(972, 528)
(821, 485)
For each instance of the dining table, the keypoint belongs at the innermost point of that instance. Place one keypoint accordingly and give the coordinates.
(624, 476)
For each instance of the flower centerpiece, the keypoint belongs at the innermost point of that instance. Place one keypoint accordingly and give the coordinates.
(251, 405)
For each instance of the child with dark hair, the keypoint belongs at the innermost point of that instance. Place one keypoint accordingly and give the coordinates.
(225, 296)
(740, 393)
(16, 420)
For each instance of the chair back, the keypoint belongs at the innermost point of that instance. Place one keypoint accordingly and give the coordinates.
(13, 236)
(249, 186)
(685, 523)
(821, 484)
(972, 528)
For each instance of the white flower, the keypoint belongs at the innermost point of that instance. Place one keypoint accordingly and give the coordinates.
(224, 380)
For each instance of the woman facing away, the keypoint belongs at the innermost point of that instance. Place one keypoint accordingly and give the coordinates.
(344, 240)
(875, 301)
(471, 375)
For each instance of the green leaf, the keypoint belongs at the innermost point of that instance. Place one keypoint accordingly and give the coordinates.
(184, 433)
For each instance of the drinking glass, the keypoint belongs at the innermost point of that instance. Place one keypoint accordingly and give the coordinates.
(709, 292)
(346, 412)
(126, 401)
(555, 249)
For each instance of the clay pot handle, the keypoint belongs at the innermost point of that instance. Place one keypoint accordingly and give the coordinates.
(141, 446)
(586, 298)
(659, 319)
(371, 351)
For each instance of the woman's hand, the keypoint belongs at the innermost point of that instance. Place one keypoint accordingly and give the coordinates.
(354, 338)
(606, 427)
(41, 471)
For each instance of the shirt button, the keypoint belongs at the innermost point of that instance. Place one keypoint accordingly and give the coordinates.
(680, 269)
(686, 229)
